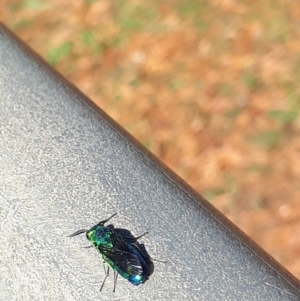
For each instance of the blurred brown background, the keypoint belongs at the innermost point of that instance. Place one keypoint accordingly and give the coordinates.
(211, 87)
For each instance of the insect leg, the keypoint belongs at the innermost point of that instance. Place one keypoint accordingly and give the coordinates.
(103, 264)
(78, 232)
(161, 261)
(106, 275)
(115, 280)
(144, 252)
(136, 238)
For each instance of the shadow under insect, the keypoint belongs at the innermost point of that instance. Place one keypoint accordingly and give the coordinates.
(121, 251)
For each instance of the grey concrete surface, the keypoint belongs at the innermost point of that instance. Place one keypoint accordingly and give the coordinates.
(65, 166)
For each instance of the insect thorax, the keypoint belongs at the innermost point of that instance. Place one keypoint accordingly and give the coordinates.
(100, 236)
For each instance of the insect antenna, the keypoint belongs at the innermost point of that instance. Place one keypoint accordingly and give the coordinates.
(78, 232)
(115, 281)
(106, 275)
(106, 220)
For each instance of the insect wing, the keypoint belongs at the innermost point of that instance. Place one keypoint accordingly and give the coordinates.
(122, 257)
(126, 262)
(140, 254)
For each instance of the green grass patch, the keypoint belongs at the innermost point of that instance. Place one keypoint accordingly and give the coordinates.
(135, 83)
(133, 18)
(195, 10)
(259, 169)
(55, 55)
(284, 117)
(175, 84)
(225, 89)
(277, 27)
(23, 23)
(117, 98)
(252, 81)
(147, 143)
(233, 113)
(36, 5)
(89, 2)
(296, 67)
(88, 38)
(210, 194)
(267, 139)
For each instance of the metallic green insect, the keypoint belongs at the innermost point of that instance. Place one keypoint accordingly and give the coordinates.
(121, 251)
